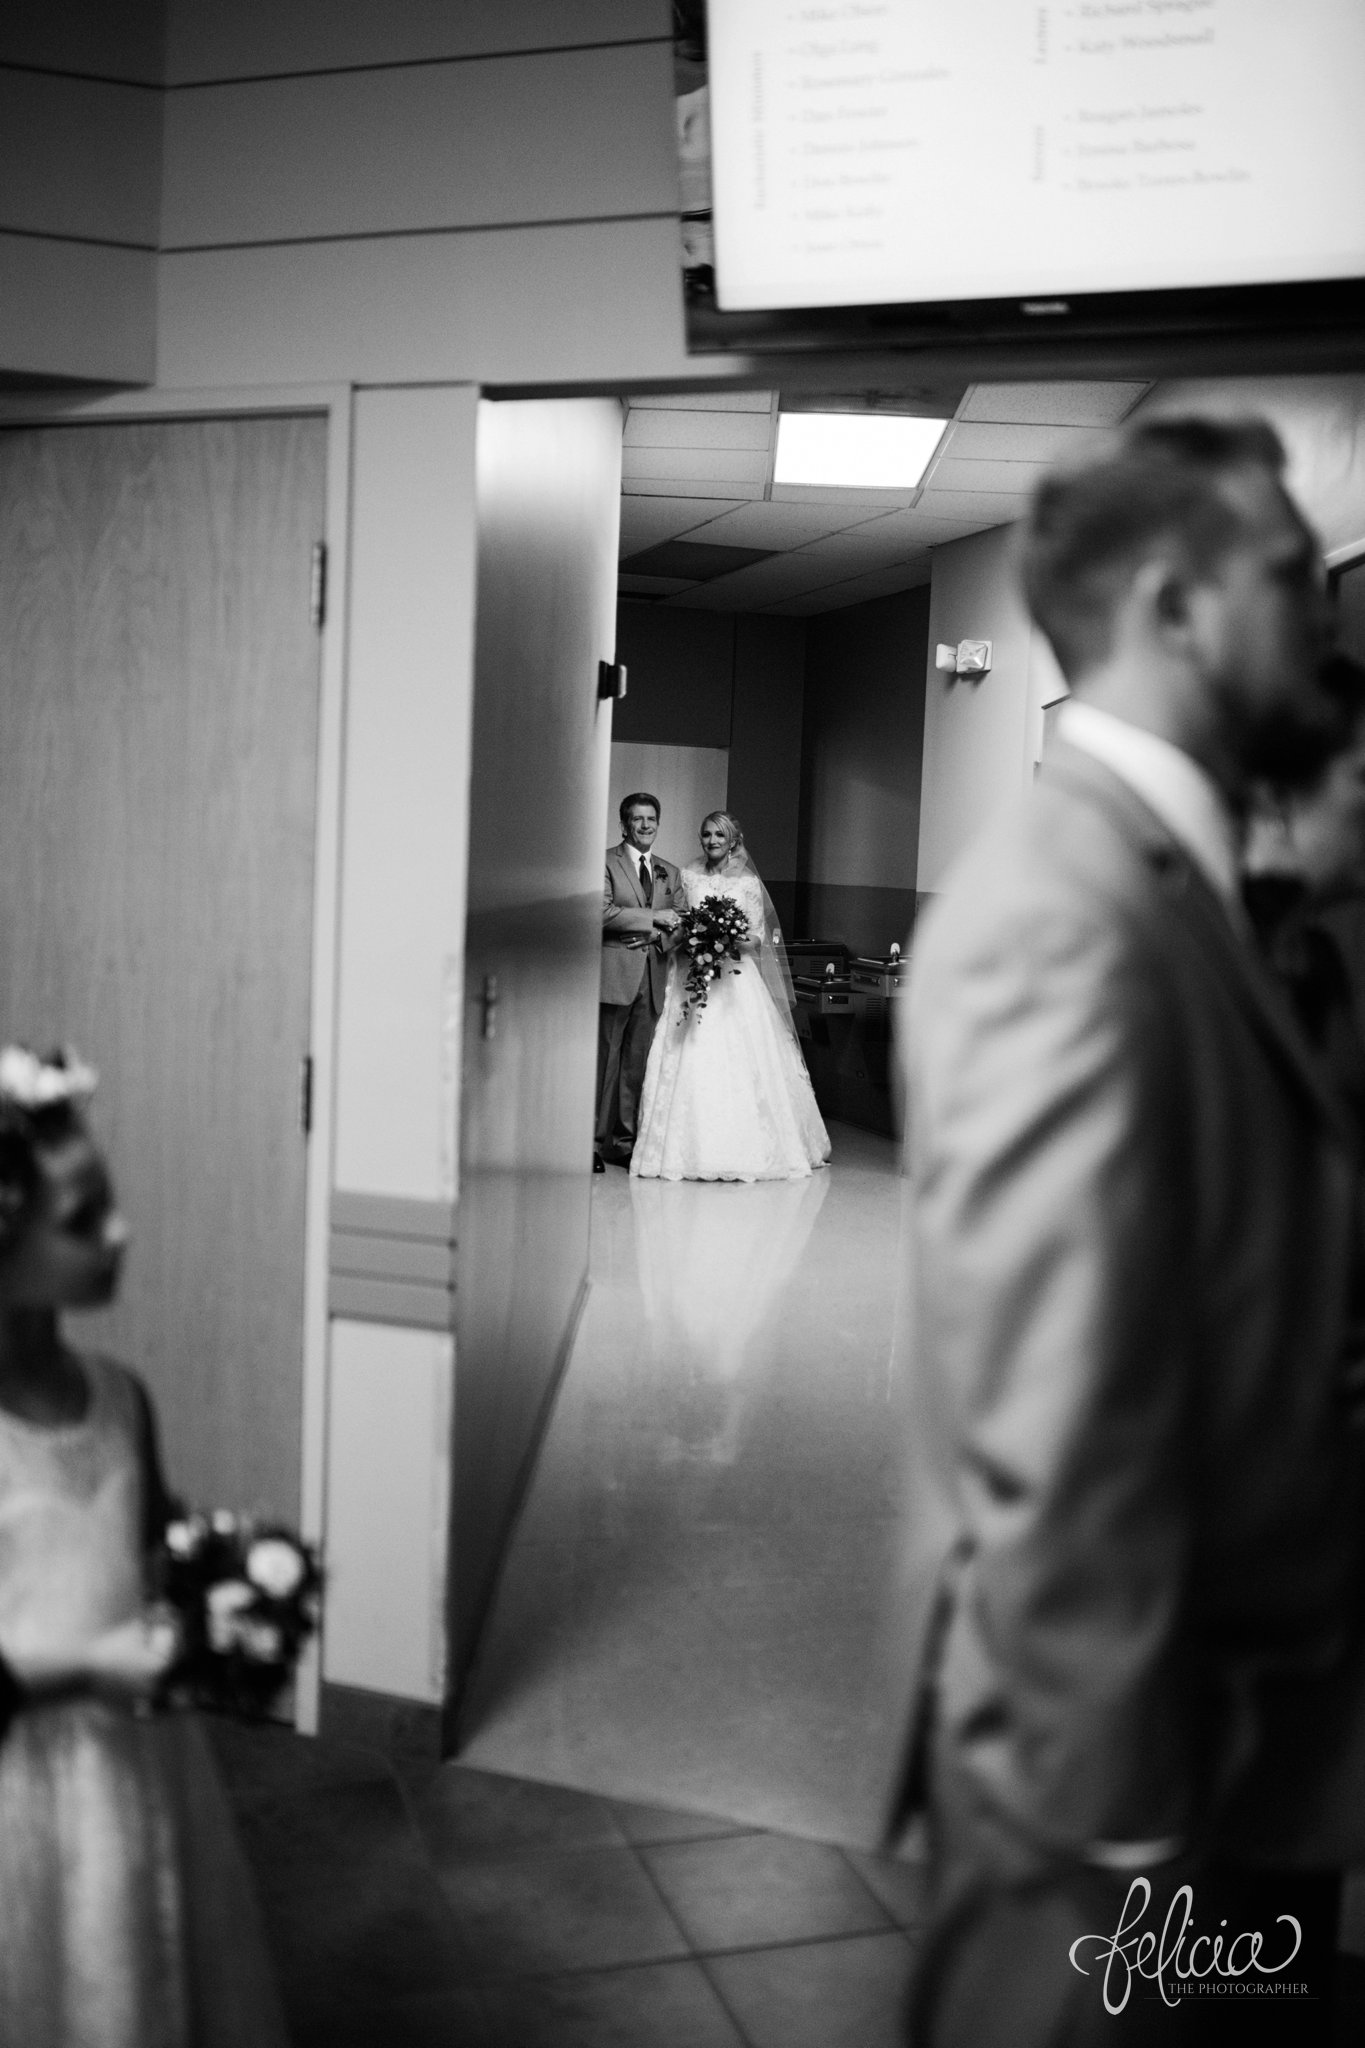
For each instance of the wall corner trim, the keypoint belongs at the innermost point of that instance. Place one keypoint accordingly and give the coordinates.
(391, 1260)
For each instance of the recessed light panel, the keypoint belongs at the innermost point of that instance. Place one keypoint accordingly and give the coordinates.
(854, 450)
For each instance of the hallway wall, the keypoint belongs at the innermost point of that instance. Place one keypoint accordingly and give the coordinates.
(80, 188)
(861, 769)
(982, 737)
(392, 190)
(732, 681)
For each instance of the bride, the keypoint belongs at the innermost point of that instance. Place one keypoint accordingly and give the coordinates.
(726, 1092)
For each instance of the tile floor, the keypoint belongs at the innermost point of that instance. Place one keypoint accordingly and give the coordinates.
(415, 1905)
(688, 1692)
(703, 1604)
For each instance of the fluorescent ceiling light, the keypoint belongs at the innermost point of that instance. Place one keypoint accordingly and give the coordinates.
(854, 450)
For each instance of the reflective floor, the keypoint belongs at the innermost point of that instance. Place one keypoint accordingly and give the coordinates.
(700, 1609)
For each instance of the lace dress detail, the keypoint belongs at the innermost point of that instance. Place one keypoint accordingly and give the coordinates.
(126, 1914)
(726, 1093)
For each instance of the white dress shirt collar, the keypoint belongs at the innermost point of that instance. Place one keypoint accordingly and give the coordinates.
(1170, 783)
(634, 856)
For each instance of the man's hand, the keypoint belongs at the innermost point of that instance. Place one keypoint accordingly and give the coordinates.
(667, 920)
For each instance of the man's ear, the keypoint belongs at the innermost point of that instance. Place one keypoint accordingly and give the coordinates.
(1164, 590)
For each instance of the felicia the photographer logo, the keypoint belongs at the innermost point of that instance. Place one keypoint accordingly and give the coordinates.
(1180, 1961)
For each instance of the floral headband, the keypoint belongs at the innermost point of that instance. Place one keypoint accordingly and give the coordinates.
(29, 1083)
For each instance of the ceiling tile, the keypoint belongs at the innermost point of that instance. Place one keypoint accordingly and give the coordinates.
(853, 553)
(918, 528)
(1016, 479)
(698, 429)
(973, 509)
(781, 525)
(705, 401)
(987, 442)
(686, 487)
(695, 560)
(1057, 405)
(651, 586)
(766, 582)
(820, 494)
(646, 521)
(697, 465)
(854, 590)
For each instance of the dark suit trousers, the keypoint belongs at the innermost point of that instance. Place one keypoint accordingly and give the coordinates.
(625, 1032)
(995, 1967)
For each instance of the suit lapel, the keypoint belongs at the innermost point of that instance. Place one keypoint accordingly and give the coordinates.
(1192, 897)
(628, 863)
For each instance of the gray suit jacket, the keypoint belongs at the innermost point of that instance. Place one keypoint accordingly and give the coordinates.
(628, 925)
(1132, 1199)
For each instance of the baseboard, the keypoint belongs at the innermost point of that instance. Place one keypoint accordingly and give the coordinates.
(381, 1721)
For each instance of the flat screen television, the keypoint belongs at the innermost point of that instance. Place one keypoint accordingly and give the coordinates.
(881, 172)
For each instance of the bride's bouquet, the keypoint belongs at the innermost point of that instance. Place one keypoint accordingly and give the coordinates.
(713, 932)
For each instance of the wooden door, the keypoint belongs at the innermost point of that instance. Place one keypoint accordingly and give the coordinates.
(158, 711)
(548, 487)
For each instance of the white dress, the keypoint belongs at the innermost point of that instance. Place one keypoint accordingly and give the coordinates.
(127, 1918)
(726, 1093)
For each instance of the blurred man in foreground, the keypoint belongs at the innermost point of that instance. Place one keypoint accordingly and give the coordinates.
(1132, 1199)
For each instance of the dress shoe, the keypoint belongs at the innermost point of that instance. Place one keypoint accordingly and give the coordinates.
(598, 1165)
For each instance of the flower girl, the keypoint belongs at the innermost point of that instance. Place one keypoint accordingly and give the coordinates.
(126, 1915)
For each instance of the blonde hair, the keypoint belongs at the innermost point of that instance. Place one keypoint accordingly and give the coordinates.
(731, 824)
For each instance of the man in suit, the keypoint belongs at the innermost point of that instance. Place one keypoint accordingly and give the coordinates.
(1132, 1201)
(641, 899)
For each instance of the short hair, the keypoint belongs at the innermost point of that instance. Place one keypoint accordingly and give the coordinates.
(1090, 528)
(731, 824)
(638, 796)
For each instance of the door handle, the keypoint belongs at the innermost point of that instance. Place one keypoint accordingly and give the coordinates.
(490, 1006)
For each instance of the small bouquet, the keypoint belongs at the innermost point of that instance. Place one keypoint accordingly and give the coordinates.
(713, 932)
(245, 1596)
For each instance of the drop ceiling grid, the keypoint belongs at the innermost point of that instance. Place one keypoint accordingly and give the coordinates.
(698, 465)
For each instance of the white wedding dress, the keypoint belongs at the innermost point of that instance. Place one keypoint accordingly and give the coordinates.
(726, 1093)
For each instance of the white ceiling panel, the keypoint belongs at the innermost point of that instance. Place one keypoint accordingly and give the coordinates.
(849, 553)
(686, 487)
(706, 401)
(986, 442)
(1054, 405)
(697, 465)
(780, 525)
(854, 590)
(917, 528)
(973, 509)
(761, 583)
(650, 429)
(647, 521)
(822, 494)
(1015, 479)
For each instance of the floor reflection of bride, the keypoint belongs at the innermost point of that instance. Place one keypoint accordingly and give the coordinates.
(726, 1093)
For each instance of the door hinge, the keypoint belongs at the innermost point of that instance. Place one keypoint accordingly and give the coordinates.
(306, 1094)
(317, 584)
(490, 1006)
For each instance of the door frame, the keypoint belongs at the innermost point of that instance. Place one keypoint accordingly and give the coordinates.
(334, 404)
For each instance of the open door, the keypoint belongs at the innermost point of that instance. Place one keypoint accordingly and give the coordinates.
(158, 761)
(548, 495)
